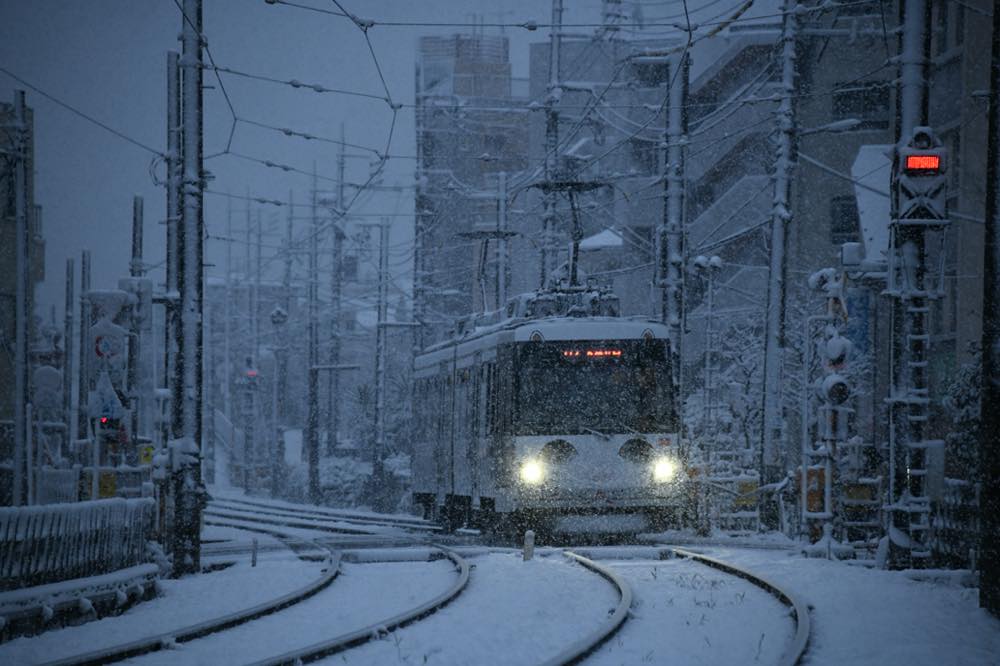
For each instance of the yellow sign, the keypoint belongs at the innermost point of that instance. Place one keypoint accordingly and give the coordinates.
(146, 455)
(106, 485)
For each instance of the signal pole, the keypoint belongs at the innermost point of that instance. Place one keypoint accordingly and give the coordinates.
(83, 381)
(913, 217)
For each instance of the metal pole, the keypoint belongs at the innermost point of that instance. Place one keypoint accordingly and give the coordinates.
(312, 424)
(83, 382)
(258, 266)
(551, 139)
(989, 429)
(21, 305)
(29, 462)
(69, 402)
(286, 285)
(378, 451)
(187, 542)
(772, 456)
(910, 336)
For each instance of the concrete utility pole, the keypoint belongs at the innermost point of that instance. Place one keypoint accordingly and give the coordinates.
(286, 303)
(69, 403)
(21, 314)
(226, 316)
(258, 266)
(188, 484)
(83, 375)
(551, 140)
(175, 202)
(135, 271)
(772, 456)
(671, 237)
(378, 451)
(911, 290)
(989, 429)
(312, 299)
(336, 247)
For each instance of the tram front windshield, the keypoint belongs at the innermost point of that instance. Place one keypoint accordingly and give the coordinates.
(581, 387)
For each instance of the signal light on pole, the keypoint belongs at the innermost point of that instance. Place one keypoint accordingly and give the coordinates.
(923, 163)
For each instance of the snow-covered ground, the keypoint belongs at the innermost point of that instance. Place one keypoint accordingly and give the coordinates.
(181, 603)
(871, 617)
(512, 612)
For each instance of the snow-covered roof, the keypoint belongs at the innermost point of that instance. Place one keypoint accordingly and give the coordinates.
(871, 172)
(609, 238)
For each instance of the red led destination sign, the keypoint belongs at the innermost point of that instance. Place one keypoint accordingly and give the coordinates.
(591, 353)
(923, 163)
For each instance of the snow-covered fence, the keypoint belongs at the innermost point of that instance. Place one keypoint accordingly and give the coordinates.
(50, 543)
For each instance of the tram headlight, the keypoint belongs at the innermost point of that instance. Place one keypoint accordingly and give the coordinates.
(664, 469)
(532, 472)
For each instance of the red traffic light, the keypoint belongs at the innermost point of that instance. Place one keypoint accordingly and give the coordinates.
(104, 420)
(923, 163)
(251, 373)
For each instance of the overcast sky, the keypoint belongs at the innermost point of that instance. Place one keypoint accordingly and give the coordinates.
(107, 59)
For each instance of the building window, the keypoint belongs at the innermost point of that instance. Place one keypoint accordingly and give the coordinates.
(349, 268)
(868, 102)
(844, 220)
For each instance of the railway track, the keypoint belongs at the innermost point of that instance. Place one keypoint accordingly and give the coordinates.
(340, 516)
(330, 543)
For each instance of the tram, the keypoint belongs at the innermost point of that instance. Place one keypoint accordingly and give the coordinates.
(560, 416)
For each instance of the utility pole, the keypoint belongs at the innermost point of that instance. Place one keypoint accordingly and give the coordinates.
(312, 298)
(286, 303)
(226, 316)
(378, 451)
(551, 140)
(772, 455)
(257, 268)
(21, 314)
(909, 286)
(135, 271)
(69, 404)
(175, 202)
(83, 381)
(333, 380)
(671, 237)
(989, 429)
(188, 484)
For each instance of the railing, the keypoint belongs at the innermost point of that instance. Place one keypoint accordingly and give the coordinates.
(54, 542)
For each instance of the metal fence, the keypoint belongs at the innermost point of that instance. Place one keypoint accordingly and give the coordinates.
(955, 524)
(50, 543)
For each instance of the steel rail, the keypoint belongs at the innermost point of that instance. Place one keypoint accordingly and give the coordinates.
(344, 516)
(227, 505)
(373, 631)
(201, 629)
(583, 647)
(239, 514)
(803, 626)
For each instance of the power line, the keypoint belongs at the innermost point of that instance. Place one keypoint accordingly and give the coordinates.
(72, 109)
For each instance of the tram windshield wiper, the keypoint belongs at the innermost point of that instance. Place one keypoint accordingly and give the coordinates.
(604, 436)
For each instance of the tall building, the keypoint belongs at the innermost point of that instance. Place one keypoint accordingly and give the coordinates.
(8, 273)
(471, 127)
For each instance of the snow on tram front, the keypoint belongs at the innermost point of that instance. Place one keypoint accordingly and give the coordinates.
(560, 417)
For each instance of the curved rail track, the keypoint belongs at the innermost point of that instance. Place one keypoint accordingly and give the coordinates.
(803, 625)
(158, 641)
